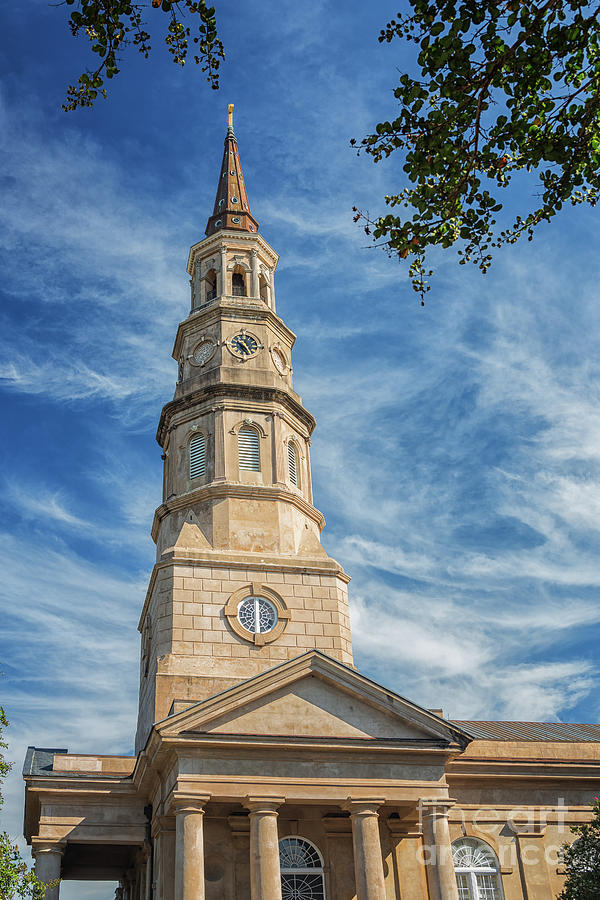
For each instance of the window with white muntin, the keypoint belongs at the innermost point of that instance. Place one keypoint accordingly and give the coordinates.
(477, 870)
(301, 864)
(257, 615)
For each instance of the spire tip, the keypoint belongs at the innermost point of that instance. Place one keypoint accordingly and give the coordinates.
(230, 119)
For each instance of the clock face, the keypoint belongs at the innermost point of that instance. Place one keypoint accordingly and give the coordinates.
(244, 345)
(279, 360)
(203, 352)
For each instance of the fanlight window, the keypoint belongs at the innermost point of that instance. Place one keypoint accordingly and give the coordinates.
(476, 870)
(293, 464)
(301, 870)
(249, 449)
(197, 456)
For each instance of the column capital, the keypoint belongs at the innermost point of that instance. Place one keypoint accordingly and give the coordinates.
(436, 807)
(263, 804)
(183, 802)
(362, 807)
(44, 846)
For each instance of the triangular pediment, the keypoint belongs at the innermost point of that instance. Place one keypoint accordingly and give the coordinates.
(313, 696)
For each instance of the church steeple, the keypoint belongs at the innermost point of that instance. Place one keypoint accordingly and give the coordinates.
(231, 209)
(241, 580)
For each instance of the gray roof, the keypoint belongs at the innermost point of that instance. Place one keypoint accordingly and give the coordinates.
(40, 760)
(531, 731)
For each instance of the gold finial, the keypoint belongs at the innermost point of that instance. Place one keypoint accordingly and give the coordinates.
(230, 116)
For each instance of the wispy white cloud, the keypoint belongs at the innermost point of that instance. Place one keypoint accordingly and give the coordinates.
(457, 451)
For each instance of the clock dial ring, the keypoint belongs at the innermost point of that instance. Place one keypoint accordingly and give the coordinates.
(244, 345)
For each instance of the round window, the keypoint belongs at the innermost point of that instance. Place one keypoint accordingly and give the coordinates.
(257, 615)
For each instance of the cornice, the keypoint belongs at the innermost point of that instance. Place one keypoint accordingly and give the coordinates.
(231, 308)
(82, 785)
(240, 492)
(221, 390)
(547, 770)
(424, 753)
(234, 405)
(229, 235)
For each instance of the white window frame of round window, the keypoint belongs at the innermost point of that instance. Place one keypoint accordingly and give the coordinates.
(257, 592)
(260, 610)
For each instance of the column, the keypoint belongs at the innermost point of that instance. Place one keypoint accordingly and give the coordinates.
(272, 286)
(255, 292)
(223, 251)
(368, 862)
(48, 858)
(189, 849)
(265, 874)
(438, 849)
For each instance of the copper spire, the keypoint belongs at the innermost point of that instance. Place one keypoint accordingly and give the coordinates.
(231, 203)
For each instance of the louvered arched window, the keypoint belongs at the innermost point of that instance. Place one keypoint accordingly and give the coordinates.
(301, 870)
(249, 449)
(477, 870)
(197, 456)
(293, 468)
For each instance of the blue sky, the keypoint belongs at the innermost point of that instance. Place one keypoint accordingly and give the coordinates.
(457, 454)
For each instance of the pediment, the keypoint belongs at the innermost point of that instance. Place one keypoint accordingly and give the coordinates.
(313, 696)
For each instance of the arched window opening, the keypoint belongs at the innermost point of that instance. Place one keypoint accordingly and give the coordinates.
(301, 870)
(211, 285)
(197, 456)
(293, 468)
(477, 870)
(238, 282)
(263, 288)
(249, 448)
